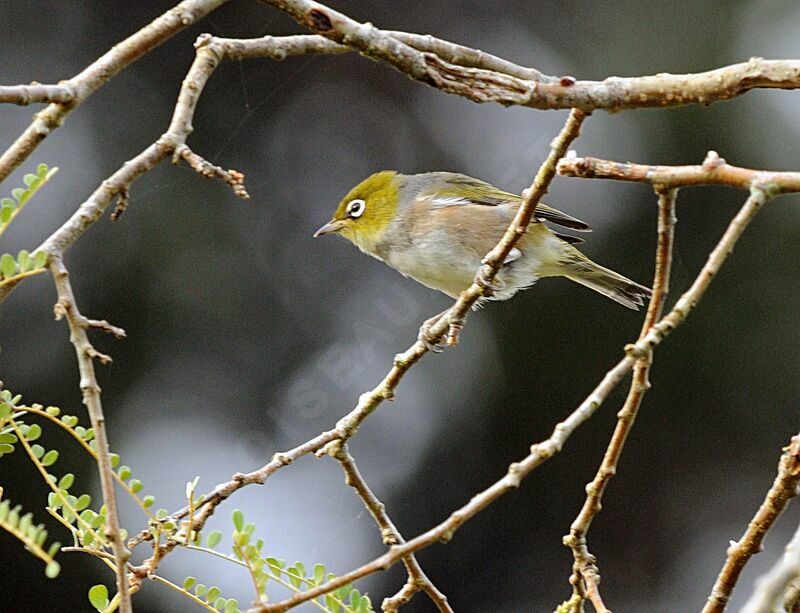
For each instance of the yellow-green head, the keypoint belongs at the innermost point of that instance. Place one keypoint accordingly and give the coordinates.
(366, 211)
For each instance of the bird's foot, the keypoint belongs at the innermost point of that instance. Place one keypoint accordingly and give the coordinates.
(424, 336)
(490, 286)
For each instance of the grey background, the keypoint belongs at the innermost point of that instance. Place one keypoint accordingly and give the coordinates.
(247, 337)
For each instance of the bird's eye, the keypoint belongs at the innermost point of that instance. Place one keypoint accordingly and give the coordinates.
(355, 208)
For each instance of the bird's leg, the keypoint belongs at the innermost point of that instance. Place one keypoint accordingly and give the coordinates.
(425, 332)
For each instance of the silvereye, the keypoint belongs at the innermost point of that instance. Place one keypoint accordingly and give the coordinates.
(437, 226)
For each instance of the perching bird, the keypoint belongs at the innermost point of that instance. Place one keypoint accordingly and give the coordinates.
(436, 227)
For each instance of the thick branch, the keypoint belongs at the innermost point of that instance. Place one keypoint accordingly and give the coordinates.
(512, 87)
(585, 567)
(417, 579)
(783, 489)
(86, 353)
(714, 171)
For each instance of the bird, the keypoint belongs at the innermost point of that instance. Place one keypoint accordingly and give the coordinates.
(436, 228)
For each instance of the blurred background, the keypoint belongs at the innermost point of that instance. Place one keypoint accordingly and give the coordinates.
(246, 337)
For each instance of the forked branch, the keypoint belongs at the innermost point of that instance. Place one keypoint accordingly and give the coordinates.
(67, 308)
(783, 489)
(586, 578)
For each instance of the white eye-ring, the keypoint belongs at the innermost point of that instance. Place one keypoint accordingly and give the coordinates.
(355, 208)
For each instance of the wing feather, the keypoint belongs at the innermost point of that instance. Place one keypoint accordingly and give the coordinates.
(458, 190)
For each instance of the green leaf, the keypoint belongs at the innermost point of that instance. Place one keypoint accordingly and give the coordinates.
(319, 573)
(87, 536)
(148, 501)
(188, 583)
(18, 193)
(212, 594)
(24, 261)
(124, 472)
(8, 437)
(52, 569)
(136, 486)
(114, 457)
(294, 576)
(54, 547)
(50, 458)
(276, 565)
(29, 179)
(342, 592)
(200, 590)
(39, 260)
(83, 501)
(8, 266)
(5, 410)
(98, 596)
(6, 210)
(66, 481)
(232, 606)
(213, 539)
(331, 603)
(33, 433)
(37, 451)
(51, 411)
(161, 513)
(6, 448)
(238, 519)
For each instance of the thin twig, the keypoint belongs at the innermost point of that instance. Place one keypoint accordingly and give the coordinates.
(67, 307)
(542, 451)
(781, 578)
(585, 567)
(36, 92)
(99, 72)
(368, 402)
(417, 579)
(772, 586)
(714, 171)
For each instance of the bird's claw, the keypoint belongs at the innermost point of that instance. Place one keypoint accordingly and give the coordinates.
(425, 338)
(449, 339)
(490, 285)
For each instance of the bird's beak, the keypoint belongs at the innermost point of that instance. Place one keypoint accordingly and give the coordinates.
(334, 225)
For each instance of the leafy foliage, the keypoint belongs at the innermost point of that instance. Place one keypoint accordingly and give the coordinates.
(20, 196)
(24, 264)
(296, 577)
(74, 511)
(33, 536)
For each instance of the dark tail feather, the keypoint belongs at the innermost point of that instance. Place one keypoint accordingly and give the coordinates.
(582, 270)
